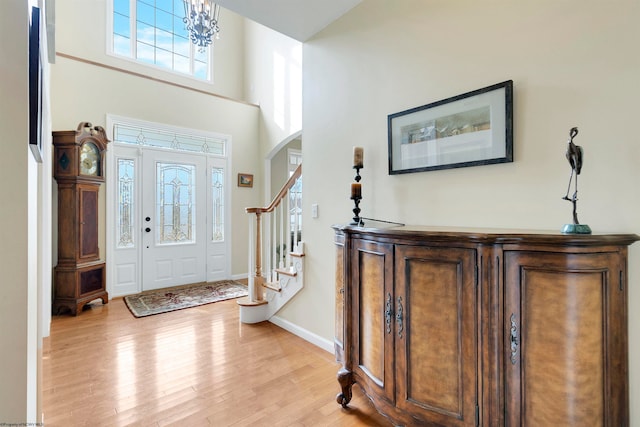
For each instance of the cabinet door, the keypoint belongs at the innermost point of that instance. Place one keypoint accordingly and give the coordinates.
(565, 339)
(436, 334)
(371, 331)
(91, 280)
(88, 222)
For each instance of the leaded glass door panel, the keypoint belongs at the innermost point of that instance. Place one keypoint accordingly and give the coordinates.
(218, 242)
(125, 209)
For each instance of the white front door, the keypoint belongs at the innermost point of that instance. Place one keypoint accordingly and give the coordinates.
(174, 208)
(169, 219)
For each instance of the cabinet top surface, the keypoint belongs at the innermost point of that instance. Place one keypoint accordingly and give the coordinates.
(487, 235)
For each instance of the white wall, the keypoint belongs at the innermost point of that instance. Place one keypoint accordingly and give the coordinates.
(280, 166)
(81, 28)
(84, 92)
(273, 80)
(13, 239)
(20, 325)
(573, 63)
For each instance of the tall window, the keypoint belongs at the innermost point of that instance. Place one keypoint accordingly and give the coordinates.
(153, 32)
(295, 197)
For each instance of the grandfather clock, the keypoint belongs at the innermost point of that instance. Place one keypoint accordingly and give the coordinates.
(79, 276)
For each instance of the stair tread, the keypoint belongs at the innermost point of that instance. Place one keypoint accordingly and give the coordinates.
(245, 301)
(274, 286)
(287, 272)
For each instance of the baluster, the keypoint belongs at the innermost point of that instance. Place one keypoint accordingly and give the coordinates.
(294, 199)
(274, 245)
(266, 246)
(298, 214)
(294, 225)
(282, 249)
(288, 228)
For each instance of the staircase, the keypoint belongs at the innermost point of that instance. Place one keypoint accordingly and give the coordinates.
(276, 273)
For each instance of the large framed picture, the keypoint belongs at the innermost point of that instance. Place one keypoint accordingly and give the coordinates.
(475, 128)
(35, 86)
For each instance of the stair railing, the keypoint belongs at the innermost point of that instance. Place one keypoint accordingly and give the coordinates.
(275, 232)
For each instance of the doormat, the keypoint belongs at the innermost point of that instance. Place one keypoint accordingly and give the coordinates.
(176, 298)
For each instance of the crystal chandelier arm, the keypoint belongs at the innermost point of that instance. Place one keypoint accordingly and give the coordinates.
(201, 18)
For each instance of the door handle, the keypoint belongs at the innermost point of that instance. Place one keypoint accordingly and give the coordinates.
(388, 313)
(399, 314)
(515, 342)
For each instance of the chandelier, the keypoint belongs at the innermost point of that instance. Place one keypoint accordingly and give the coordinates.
(201, 18)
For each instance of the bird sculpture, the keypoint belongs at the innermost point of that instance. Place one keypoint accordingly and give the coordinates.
(574, 156)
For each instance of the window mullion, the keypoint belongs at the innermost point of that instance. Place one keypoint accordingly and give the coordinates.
(192, 59)
(133, 27)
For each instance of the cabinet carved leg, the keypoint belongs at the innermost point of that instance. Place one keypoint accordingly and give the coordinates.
(345, 378)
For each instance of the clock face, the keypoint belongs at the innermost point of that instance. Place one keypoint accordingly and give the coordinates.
(89, 159)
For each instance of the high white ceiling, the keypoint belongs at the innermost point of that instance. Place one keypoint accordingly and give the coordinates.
(298, 19)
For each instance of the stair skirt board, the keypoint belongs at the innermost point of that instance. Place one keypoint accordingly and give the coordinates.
(254, 314)
(289, 287)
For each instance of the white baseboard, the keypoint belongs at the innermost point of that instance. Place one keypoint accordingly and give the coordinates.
(306, 335)
(239, 276)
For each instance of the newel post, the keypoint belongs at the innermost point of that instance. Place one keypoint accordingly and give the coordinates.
(258, 280)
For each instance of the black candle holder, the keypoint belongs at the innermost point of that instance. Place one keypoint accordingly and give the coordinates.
(357, 177)
(356, 200)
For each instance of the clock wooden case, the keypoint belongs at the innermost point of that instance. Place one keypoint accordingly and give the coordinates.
(78, 167)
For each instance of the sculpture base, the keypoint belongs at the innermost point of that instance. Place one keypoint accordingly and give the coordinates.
(576, 229)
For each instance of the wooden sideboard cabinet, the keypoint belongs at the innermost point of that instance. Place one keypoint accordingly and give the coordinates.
(449, 327)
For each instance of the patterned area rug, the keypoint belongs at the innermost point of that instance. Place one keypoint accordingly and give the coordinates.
(179, 297)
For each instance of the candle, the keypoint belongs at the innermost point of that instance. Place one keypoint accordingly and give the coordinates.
(356, 191)
(358, 156)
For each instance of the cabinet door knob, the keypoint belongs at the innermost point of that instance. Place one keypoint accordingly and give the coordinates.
(147, 229)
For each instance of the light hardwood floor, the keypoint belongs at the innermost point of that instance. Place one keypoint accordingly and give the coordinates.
(193, 367)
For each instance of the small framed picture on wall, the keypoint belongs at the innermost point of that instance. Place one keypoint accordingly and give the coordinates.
(245, 180)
